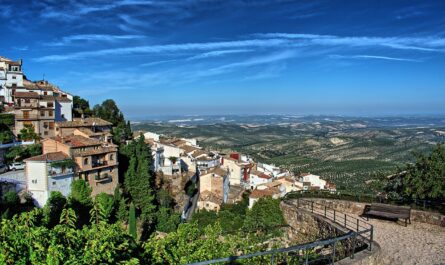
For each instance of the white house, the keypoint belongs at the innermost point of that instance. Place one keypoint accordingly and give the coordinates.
(315, 181)
(46, 173)
(11, 77)
(257, 178)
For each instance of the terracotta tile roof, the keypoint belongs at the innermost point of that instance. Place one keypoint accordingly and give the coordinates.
(100, 150)
(77, 141)
(26, 95)
(88, 132)
(260, 174)
(264, 193)
(87, 122)
(4, 59)
(217, 170)
(198, 153)
(209, 196)
(49, 157)
(188, 149)
(63, 99)
(47, 98)
(178, 142)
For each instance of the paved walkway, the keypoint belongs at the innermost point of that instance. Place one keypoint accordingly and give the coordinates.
(419, 243)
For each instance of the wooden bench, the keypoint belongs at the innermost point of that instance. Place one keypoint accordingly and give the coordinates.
(388, 211)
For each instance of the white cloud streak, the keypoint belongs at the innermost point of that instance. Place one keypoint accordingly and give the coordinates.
(93, 37)
(169, 48)
(403, 43)
(373, 57)
(264, 41)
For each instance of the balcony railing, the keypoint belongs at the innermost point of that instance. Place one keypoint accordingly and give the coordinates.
(26, 117)
(99, 163)
(55, 172)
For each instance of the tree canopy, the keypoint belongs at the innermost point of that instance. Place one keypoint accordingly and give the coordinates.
(425, 179)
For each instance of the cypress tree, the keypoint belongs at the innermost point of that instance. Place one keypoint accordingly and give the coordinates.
(132, 221)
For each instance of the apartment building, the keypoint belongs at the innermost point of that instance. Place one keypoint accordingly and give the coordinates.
(96, 161)
(11, 78)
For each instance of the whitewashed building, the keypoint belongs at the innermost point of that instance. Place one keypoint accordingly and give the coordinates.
(46, 173)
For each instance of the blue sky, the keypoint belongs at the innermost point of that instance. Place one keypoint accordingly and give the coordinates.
(236, 57)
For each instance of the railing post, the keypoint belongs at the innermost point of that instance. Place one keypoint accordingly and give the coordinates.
(334, 215)
(345, 220)
(325, 211)
(371, 238)
(354, 242)
(312, 206)
(358, 225)
(333, 254)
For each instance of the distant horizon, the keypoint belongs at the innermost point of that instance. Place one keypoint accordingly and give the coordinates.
(165, 117)
(244, 57)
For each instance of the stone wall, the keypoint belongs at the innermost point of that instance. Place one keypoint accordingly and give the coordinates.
(307, 227)
(357, 208)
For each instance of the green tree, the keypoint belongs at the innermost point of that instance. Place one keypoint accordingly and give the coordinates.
(53, 208)
(19, 153)
(68, 217)
(28, 133)
(265, 215)
(80, 106)
(105, 204)
(132, 221)
(80, 200)
(424, 179)
(109, 111)
(138, 180)
(167, 221)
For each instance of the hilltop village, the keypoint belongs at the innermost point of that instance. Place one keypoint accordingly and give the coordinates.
(83, 148)
(223, 178)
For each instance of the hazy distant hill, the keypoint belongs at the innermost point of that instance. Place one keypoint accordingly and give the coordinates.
(344, 149)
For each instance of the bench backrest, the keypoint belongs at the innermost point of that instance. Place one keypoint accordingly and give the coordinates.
(387, 208)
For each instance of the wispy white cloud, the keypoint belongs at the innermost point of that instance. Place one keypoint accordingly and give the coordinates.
(257, 43)
(373, 57)
(218, 53)
(92, 37)
(259, 60)
(403, 43)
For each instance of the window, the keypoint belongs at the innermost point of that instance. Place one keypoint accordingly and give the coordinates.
(85, 161)
(27, 100)
(50, 104)
(45, 133)
(34, 181)
(50, 113)
(45, 93)
(111, 157)
(42, 113)
(14, 77)
(51, 125)
(54, 183)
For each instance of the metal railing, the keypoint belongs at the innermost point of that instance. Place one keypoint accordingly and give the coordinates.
(358, 237)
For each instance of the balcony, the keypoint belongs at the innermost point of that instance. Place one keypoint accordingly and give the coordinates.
(99, 164)
(101, 178)
(57, 171)
(26, 117)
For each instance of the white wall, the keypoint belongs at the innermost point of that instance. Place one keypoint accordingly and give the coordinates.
(37, 181)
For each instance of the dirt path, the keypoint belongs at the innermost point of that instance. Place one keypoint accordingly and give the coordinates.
(418, 243)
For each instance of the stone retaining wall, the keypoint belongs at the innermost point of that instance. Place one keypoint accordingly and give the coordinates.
(358, 207)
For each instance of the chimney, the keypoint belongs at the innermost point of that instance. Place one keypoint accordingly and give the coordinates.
(20, 62)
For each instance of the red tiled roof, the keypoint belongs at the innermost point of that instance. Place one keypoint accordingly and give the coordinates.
(26, 95)
(260, 174)
(48, 157)
(87, 122)
(264, 193)
(77, 141)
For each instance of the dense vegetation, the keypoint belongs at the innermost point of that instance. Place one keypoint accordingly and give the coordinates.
(425, 179)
